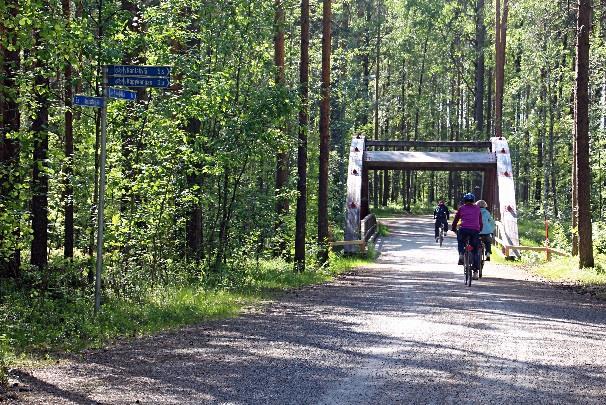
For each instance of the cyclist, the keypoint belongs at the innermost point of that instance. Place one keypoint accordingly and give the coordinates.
(487, 229)
(441, 215)
(471, 223)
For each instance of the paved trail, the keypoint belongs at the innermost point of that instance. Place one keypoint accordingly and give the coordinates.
(406, 330)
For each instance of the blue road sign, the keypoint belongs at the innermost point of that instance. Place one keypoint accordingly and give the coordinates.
(123, 94)
(87, 101)
(140, 71)
(138, 81)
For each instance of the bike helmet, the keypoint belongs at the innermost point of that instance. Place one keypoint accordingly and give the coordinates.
(469, 197)
(481, 204)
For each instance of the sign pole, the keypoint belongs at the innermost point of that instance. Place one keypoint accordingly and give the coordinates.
(101, 199)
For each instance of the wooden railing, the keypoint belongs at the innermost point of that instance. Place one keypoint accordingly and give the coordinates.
(369, 228)
(506, 248)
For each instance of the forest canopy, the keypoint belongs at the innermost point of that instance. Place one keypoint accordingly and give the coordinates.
(202, 176)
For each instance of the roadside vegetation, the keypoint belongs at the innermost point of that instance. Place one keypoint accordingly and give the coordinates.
(37, 324)
(398, 209)
(565, 270)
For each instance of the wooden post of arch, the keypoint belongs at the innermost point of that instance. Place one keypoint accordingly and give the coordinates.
(355, 209)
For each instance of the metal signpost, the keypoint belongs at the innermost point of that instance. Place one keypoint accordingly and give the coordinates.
(121, 94)
(116, 75)
(86, 101)
(139, 81)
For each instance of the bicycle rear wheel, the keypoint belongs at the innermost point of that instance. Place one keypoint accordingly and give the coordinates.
(468, 266)
(482, 259)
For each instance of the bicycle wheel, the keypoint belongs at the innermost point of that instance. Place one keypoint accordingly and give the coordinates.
(441, 236)
(482, 258)
(468, 265)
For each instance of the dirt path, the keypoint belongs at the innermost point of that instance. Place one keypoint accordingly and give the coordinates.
(405, 330)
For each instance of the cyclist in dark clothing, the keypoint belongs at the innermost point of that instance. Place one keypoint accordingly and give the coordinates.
(441, 215)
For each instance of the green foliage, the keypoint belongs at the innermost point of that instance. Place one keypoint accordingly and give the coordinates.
(38, 322)
(567, 270)
(190, 201)
(5, 359)
(395, 209)
(383, 230)
(599, 237)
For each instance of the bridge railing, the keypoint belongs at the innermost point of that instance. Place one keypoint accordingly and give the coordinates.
(369, 231)
(507, 249)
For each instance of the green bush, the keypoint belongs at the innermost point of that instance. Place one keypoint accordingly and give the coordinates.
(5, 356)
(599, 237)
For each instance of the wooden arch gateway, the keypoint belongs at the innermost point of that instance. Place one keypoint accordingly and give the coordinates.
(492, 158)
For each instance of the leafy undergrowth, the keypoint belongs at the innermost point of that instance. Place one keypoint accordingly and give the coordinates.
(383, 230)
(35, 326)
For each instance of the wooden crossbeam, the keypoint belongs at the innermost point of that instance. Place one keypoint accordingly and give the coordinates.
(380, 160)
(430, 144)
(548, 250)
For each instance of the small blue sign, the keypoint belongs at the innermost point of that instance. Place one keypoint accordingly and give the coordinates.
(139, 81)
(87, 101)
(140, 71)
(122, 94)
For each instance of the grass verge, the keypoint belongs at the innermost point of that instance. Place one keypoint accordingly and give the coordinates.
(567, 270)
(564, 271)
(38, 326)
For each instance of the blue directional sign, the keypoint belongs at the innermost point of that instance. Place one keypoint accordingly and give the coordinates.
(123, 94)
(140, 71)
(138, 81)
(87, 101)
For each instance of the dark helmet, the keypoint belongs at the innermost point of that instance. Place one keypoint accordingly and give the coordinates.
(469, 197)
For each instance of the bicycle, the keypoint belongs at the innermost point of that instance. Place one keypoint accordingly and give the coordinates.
(482, 254)
(468, 263)
(441, 235)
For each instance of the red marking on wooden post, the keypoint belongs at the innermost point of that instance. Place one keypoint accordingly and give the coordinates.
(506, 174)
(352, 205)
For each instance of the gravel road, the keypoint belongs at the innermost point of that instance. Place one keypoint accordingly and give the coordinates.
(405, 330)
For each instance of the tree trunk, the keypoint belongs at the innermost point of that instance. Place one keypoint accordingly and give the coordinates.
(195, 182)
(377, 180)
(366, 65)
(500, 46)
(581, 122)
(39, 255)
(540, 176)
(10, 259)
(68, 168)
(489, 105)
(301, 218)
(551, 170)
(281, 204)
(420, 88)
(479, 88)
(324, 134)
